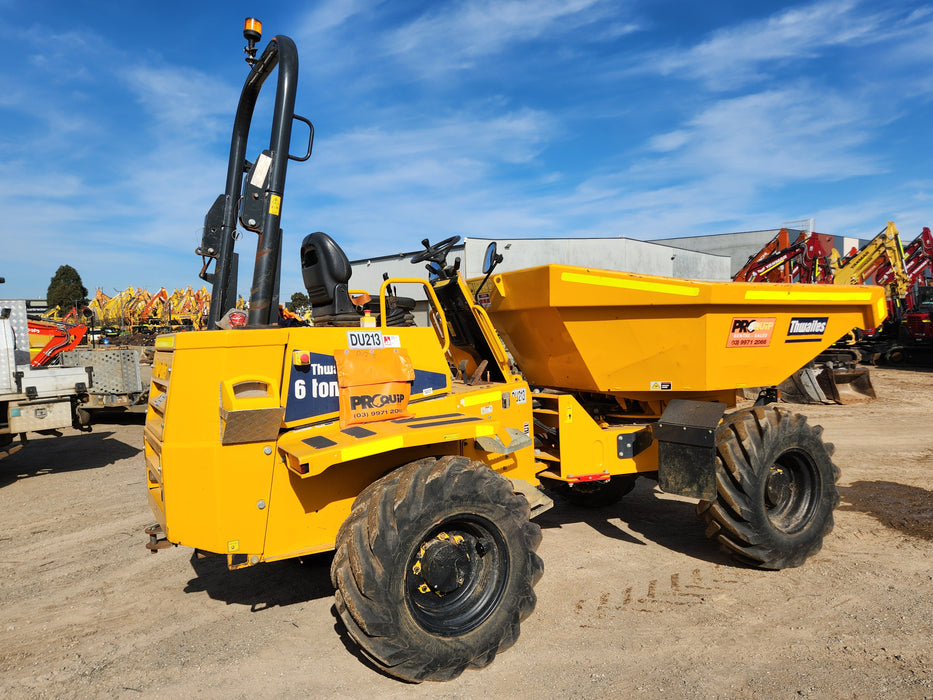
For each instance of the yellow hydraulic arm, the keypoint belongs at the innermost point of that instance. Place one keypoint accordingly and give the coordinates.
(885, 246)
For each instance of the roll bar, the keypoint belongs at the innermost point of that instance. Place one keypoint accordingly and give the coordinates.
(263, 302)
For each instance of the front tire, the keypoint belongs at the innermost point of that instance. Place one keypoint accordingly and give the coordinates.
(776, 488)
(435, 568)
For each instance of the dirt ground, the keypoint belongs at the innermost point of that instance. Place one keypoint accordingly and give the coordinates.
(634, 600)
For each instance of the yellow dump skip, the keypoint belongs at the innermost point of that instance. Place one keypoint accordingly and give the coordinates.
(646, 337)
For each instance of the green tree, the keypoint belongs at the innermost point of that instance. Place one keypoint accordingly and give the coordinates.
(65, 289)
(299, 303)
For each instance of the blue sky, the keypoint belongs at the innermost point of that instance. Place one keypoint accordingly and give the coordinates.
(645, 119)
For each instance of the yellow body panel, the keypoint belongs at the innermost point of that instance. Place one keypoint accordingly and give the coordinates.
(585, 449)
(208, 494)
(646, 338)
(286, 493)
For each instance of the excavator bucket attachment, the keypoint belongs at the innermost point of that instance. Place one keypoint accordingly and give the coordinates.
(803, 387)
(847, 385)
(821, 385)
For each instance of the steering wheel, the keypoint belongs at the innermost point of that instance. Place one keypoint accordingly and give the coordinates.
(435, 253)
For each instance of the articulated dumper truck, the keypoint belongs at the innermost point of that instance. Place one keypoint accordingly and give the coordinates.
(420, 455)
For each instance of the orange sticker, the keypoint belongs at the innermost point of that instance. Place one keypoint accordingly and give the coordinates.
(373, 402)
(374, 384)
(750, 332)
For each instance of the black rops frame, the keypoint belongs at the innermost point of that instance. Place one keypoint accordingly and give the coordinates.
(263, 302)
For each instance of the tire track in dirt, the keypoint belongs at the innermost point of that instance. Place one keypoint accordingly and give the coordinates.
(657, 595)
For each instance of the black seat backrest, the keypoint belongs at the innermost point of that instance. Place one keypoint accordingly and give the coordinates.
(326, 271)
(323, 266)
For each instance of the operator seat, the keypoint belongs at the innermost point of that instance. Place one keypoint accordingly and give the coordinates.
(326, 272)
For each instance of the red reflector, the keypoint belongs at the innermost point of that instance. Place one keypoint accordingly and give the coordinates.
(602, 476)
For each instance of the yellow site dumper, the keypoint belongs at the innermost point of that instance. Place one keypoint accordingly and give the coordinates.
(421, 455)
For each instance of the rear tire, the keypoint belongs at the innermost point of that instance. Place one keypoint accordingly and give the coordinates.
(435, 568)
(776, 488)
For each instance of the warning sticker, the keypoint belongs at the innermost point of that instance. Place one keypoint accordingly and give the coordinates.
(751, 332)
(261, 170)
(661, 386)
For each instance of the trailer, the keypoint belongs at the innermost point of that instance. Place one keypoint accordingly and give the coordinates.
(32, 399)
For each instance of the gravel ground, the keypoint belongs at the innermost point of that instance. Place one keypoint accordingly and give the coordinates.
(634, 601)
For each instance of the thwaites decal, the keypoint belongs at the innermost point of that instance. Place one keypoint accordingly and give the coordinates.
(313, 389)
(806, 329)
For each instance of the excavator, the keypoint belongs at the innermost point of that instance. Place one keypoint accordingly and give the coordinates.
(903, 271)
(912, 335)
(834, 376)
(47, 339)
(918, 264)
(861, 268)
(782, 262)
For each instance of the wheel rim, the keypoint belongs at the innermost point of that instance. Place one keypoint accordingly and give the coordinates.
(456, 575)
(792, 492)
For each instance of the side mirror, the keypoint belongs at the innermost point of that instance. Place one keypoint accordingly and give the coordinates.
(491, 259)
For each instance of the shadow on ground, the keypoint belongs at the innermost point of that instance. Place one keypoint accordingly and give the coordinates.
(268, 585)
(907, 509)
(102, 417)
(68, 453)
(672, 524)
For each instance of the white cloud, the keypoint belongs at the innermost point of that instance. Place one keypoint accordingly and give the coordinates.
(737, 55)
(327, 15)
(443, 154)
(670, 141)
(456, 35)
(782, 135)
(183, 99)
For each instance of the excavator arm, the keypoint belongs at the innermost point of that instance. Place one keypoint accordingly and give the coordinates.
(885, 247)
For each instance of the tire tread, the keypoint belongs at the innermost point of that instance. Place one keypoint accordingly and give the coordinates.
(747, 442)
(371, 538)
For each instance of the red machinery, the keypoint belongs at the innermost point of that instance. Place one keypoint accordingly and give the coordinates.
(780, 261)
(903, 271)
(49, 338)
